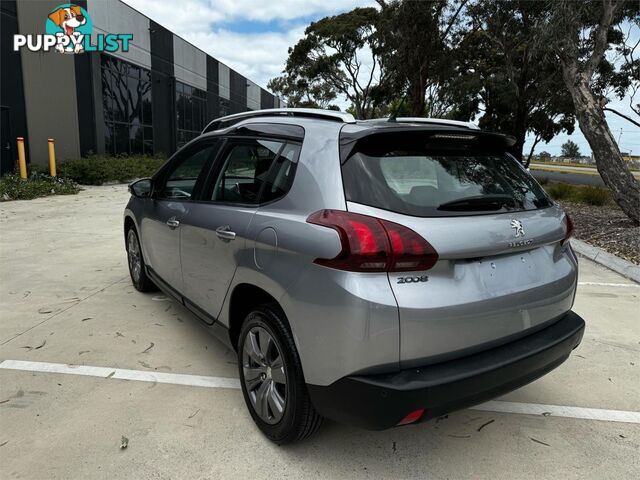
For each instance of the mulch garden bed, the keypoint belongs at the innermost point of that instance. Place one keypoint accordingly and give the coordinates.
(606, 227)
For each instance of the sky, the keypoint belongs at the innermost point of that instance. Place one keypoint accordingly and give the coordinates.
(253, 36)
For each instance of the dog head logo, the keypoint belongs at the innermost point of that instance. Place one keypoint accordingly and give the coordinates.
(72, 21)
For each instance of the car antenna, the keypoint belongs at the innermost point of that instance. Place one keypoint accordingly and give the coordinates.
(394, 115)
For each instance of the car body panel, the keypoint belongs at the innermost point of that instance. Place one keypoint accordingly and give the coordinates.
(488, 285)
(209, 262)
(162, 243)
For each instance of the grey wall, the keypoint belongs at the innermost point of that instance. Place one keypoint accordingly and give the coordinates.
(253, 95)
(49, 88)
(190, 63)
(116, 17)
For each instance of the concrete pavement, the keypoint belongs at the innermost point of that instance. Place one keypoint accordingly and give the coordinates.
(66, 298)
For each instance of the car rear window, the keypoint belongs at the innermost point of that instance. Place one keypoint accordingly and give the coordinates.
(425, 182)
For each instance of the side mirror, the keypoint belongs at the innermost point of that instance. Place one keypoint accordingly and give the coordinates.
(141, 188)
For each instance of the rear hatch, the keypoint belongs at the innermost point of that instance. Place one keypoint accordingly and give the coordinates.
(503, 268)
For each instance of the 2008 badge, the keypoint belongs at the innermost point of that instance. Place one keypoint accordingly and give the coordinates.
(422, 278)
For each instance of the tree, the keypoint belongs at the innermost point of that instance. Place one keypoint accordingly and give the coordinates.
(517, 88)
(570, 149)
(332, 55)
(579, 34)
(417, 41)
(544, 155)
(303, 93)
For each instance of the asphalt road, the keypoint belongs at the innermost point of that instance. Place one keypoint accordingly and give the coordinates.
(568, 177)
(569, 174)
(66, 302)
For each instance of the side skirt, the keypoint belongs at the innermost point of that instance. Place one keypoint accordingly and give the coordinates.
(220, 331)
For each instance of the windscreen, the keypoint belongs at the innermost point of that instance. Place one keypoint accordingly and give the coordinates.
(429, 182)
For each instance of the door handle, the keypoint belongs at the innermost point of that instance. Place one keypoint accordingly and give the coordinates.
(173, 223)
(225, 233)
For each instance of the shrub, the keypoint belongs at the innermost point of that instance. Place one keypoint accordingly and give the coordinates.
(12, 187)
(100, 169)
(592, 195)
(560, 191)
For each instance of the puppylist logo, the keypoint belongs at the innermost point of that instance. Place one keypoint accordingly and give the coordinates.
(69, 30)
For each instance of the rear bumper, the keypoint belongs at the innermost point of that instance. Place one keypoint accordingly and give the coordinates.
(376, 402)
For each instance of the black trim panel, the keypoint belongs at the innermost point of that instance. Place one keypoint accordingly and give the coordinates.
(376, 402)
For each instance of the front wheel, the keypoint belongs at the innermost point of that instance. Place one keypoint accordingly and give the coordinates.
(135, 260)
(271, 377)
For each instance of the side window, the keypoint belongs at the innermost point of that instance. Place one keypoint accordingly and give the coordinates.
(181, 179)
(245, 166)
(281, 176)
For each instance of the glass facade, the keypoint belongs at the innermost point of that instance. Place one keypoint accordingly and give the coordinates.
(126, 97)
(182, 110)
(191, 112)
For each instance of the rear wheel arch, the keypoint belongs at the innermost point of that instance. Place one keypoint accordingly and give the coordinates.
(244, 298)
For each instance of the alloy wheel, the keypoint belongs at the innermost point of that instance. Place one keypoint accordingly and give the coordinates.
(133, 251)
(264, 375)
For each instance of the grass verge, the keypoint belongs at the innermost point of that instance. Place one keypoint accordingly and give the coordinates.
(12, 187)
(587, 194)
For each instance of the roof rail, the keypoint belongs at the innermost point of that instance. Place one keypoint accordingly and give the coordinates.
(332, 115)
(438, 121)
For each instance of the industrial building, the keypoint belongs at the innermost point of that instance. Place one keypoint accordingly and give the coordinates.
(151, 99)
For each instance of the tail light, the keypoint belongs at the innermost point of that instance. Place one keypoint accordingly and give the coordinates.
(371, 244)
(568, 226)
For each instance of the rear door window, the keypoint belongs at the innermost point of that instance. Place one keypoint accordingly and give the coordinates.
(428, 183)
(245, 169)
(281, 175)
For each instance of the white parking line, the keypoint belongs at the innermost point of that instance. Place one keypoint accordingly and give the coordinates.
(560, 411)
(225, 382)
(602, 284)
(123, 374)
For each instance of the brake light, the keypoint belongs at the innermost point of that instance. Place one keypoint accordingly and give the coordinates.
(371, 244)
(568, 226)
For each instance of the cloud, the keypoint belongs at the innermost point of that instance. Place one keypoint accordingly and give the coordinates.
(186, 13)
(259, 55)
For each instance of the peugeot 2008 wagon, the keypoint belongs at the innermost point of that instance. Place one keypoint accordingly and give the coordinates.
(377, 273)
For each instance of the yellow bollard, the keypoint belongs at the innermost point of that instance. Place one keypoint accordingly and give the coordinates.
(52, 157)
(22, 162)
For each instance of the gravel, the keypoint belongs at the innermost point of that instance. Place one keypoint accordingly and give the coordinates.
(606, 227)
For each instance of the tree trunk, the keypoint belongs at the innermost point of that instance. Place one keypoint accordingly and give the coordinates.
(611, 166)
(416, 93)
(518, 147)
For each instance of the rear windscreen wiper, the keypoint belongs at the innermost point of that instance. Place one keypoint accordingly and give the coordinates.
(479, 202)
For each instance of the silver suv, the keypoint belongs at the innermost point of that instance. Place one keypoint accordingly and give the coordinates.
(377, 273)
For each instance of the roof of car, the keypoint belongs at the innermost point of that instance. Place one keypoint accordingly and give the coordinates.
(334, 116)
(314, 113)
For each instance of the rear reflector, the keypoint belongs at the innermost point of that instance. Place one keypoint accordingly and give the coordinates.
(568, 229)
(412, 417)
(371, 244)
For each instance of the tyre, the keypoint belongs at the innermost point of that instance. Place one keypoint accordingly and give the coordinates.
(272, 380)
(137, 268)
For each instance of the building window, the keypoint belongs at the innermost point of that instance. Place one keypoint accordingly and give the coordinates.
(191, 112)
(126, 97)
